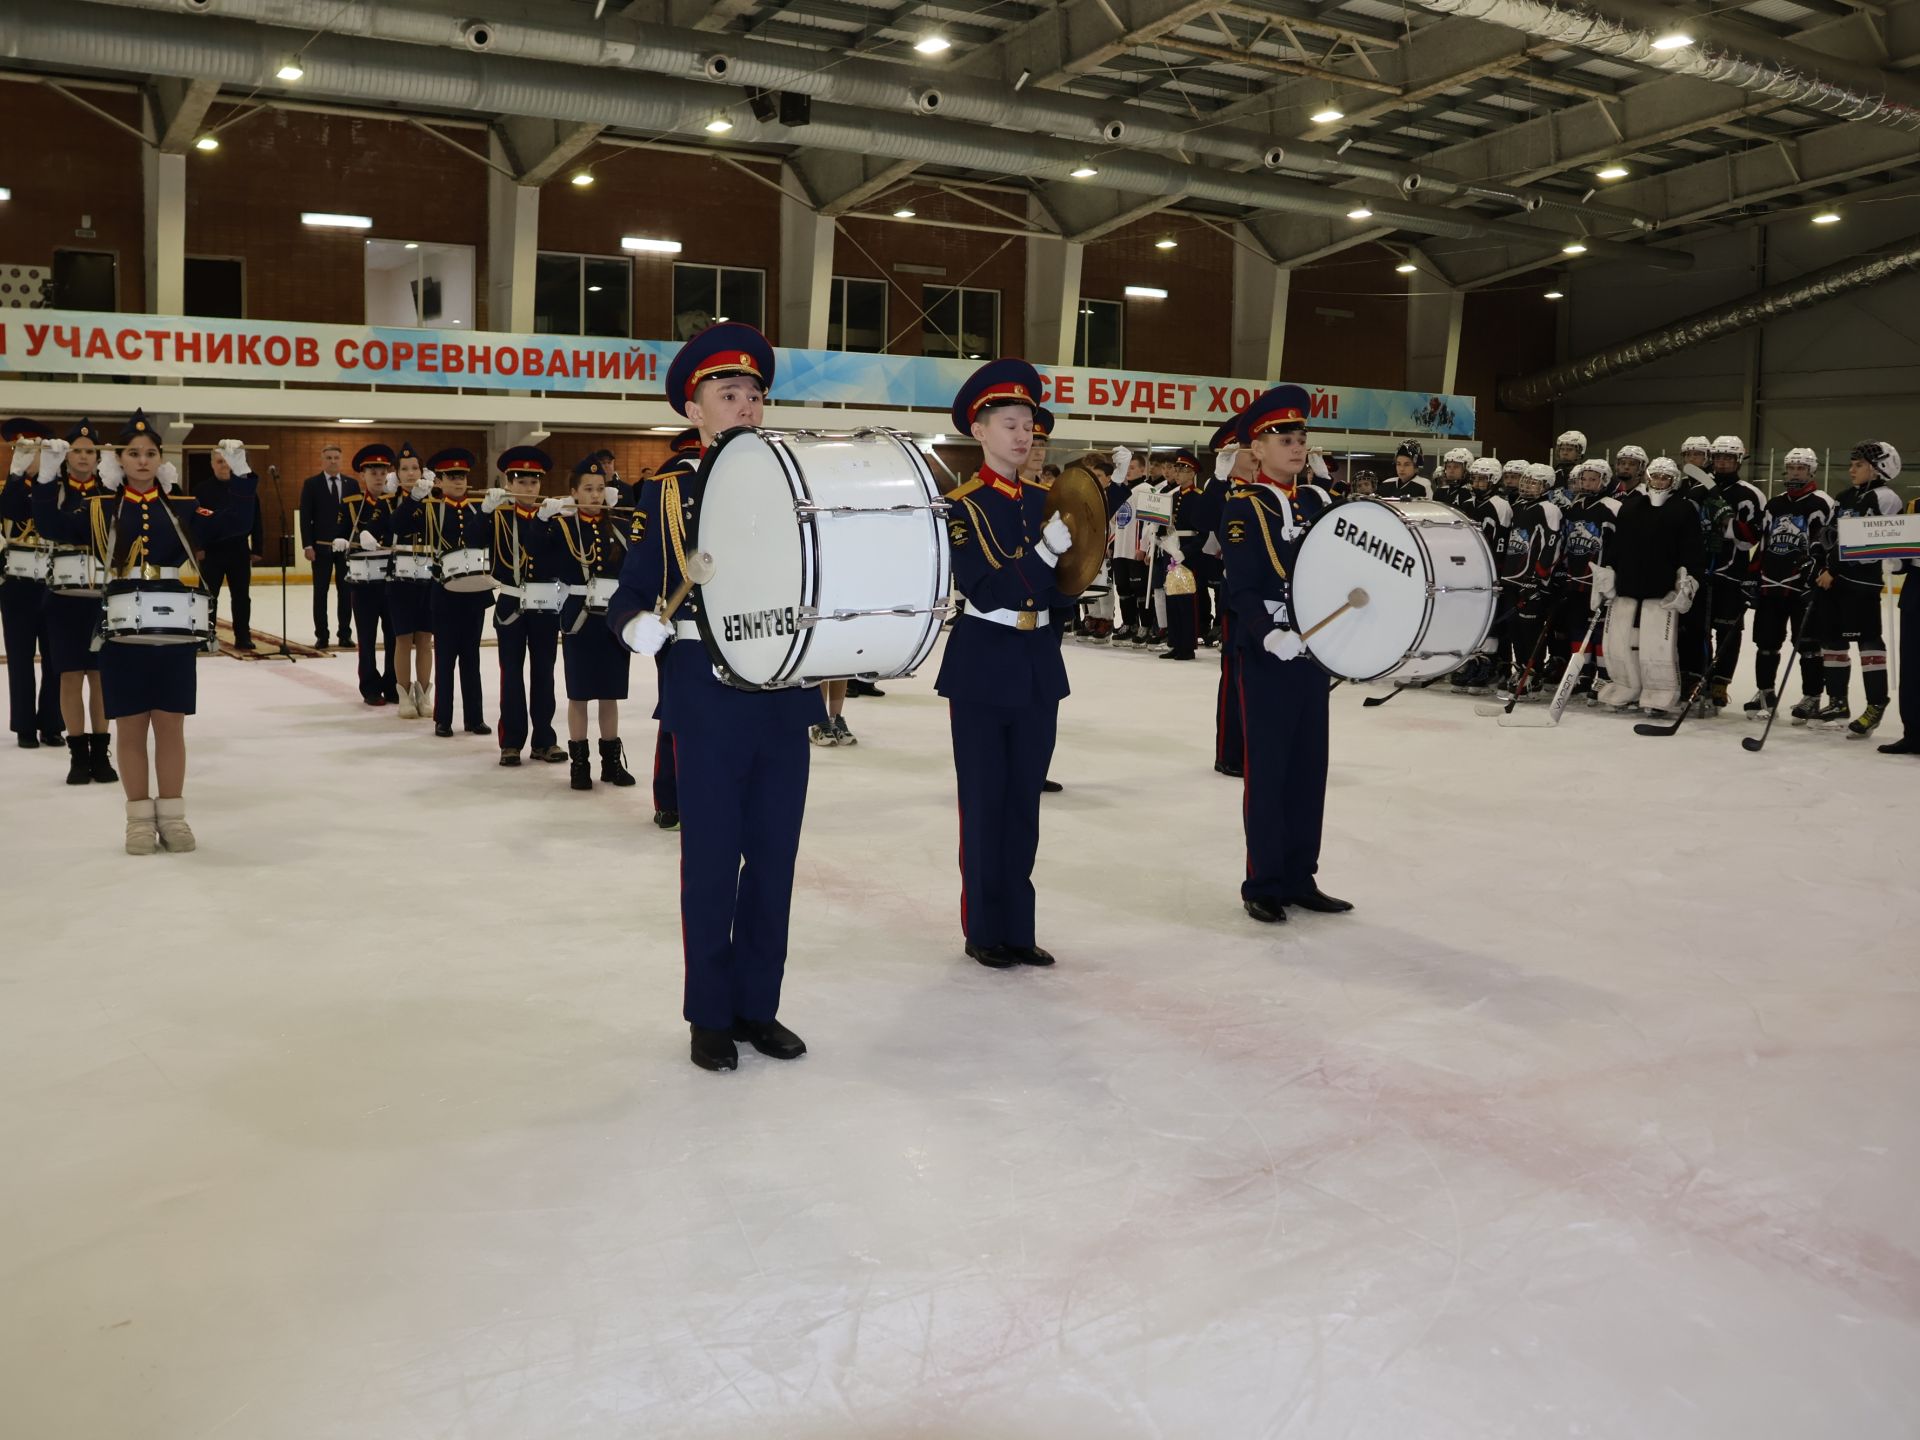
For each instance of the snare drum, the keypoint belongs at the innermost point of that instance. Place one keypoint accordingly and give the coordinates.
(830, 556)
(363, 569)
(137, 615)
(599, 593)
(412, 563)
(468, 569)
(1430, 587)
(543, 597)
(77, 572)
(27, 561)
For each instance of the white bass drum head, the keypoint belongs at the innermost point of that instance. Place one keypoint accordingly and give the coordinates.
(762, 570)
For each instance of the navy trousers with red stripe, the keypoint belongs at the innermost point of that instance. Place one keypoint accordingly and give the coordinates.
(1229, 741)
(1000, 758)
(529, 645)
(1283, 709)
(666, 782)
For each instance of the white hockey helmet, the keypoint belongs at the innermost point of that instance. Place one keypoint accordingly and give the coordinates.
(1695, 442)
(1541, 475)
(1594, 466)
(1574, 438)
(1801, 455)
(1514, 467)
(1728, 445)
(1631, 452)
(1661, 465)
(1486, 466)
(1884, 459)
(1459, 455)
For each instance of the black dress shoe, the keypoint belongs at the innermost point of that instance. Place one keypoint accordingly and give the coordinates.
(865, 687)
(373, 699)
(994, 957)
(346, 642)
(667, 819)
(481, 729)
(1176, 654)
(509, 757)
(714, 1049)
(1905, 746)
(1030, 954)
(1051, 787)
(1263, 912)
(56, 738)
(770, 1038)
(1318, 899)
(445, 732)
(28, 740)
(1225, 769)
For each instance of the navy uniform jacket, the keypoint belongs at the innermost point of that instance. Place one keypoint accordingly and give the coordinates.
(442, 524)
(991, 533)
(580, 548)
(692, 694)
(141, 533)
(523, 550)
(16, 508)
(358, 513)
(1259, 557)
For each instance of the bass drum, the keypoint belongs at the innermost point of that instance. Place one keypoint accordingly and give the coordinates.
(1430, 589)
(829, 553)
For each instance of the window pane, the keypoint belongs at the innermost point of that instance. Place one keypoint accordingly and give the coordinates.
(214, 287)
(607, 306)
(980, 315)
(556, 295)
(742, 296)
(1103, 327)
(694, 297)
(866, 324)
(940, 329)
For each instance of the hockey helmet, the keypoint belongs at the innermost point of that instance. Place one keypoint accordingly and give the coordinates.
(1801, 455)
(1661, 468)
(1536, 481)
(1631, 452)
(1595, 467)
(1695, 442)
(1884, 459)
(1575, 438)
(1365, 482)
(1514, 467)
(1459, 455)
(1411, 449)
(1486, 467)
(1728, 445)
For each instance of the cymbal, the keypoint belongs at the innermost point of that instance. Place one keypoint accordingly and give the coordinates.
(1077, 496)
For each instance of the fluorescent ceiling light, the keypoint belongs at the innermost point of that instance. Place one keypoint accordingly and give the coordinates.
(1556, 294)
(1360, 212)
(5, 193)
(582, 178)
(289, 71)
(1573, 247)
(1612, 172)
(206, 142)
(649, 244)
(323, 220)
(350, 420)
(1327, 116)
(933, 45)
(594, 289)
(1084, 172)
(903, 213)
(1146, 292)
(719, 125)
(1673, 40)
(1169, 243)
(666, 429)
(1826, 217)
(1405, 267)
(411, 245)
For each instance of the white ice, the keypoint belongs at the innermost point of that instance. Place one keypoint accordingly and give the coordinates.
(372, 1120)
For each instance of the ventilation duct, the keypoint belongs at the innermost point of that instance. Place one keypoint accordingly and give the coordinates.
(1815, 288)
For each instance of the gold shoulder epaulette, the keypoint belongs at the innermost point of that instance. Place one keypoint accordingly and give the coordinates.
(965, 488)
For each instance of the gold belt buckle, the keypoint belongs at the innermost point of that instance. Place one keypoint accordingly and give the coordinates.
(1027, 621)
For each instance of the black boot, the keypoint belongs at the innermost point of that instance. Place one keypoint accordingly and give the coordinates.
(580, 773)
(714, 1049)
(100, 759)
(77, 771)
(613, 769)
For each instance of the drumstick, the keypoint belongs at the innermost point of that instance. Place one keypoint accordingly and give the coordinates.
(699, 571)
(1356, 600)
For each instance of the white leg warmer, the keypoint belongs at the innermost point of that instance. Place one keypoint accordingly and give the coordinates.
(1659, 666)
(1623, 654)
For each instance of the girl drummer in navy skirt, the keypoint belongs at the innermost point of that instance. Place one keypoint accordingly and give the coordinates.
(145, 534)
(410, 601)
(588, 548)
(75, 464)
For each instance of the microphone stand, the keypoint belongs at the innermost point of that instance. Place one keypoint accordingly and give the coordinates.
(286, 545)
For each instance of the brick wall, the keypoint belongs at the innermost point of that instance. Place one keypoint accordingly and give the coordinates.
(89, 169)
(979, 260)
(1190, 331)
(1347, 321)
(1505, 333)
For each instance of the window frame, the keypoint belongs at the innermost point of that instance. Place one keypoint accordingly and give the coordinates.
(759, 322)
(961, 291)
(839, 284)
(1083, 321)
(580, 258)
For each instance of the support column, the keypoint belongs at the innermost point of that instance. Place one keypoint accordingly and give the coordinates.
(1053, 296)
(1259, 332)
(1434, 312)
(165, 186)
(806, 270)
(513, 243)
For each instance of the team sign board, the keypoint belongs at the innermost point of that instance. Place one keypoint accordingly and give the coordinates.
(172, 347)
(1880, 537)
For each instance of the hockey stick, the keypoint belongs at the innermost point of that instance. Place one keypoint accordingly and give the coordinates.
(1533, 719)
(1520, 685)
(1753, 744)
(1646, 728)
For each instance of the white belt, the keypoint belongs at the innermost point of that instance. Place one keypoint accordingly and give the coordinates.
(1013, 619)
(685, 630)
(150, 572)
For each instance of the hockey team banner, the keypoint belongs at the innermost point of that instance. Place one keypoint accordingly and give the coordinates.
(1879, 537)
(163, 347)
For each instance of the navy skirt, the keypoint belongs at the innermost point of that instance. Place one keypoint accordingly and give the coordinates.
(410, 606)
(138, 678)
(72, 621)
(596, 662)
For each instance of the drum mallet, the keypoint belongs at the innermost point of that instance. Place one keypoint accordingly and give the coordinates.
(698, 572)
(1356, 600)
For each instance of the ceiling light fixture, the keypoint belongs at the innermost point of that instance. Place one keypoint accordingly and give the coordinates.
(595, 289)
(582, 178)
(1672, 40)
(1166, 243)
(410, 245)
(5, 193)
(1146, 292)
(933, 45)
(324, 220)
(290, 71)
(903, 213)
(1083, 172)
(719, 125)
(1827, 217)
(1556, 294)
(1405, 267)
(1612, 172)
(1573, 247)
(1327, 115)
(650, 245)
(206, 142)
(1360, 212)
(351, 420)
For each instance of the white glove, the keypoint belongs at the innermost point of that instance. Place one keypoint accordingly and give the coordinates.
(428, 476)
(646, 633)
(1170, 547)
(52, 452)
(1284, 645)
(554, 505)
(235, 454)
(612, 502)
(391, 486)
(1685, 587)
(495, 498)
(24, 454)
(1122, 460)
(110, 472)
(367, 542)
(1223, 465)
(1057, 535)
(168, 476)
(339, 547)
(1602, 584)
(1317, 463)
(422, 487)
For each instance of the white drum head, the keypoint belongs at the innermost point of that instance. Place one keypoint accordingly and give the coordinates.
(1362, 545)
(762, 575)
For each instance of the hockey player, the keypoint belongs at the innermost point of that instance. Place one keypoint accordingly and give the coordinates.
(1848, 610)
(1568, 451)
(1586, 527)
(1735, 562)
(1647, 571)
(1451, 487)
(1365, 483)
(1511, 474)
(1529, 575)
(1485, 506)
(1407, 482)
(1129, 566)
(1629, 470)
(1694, 462)
(1793, 529)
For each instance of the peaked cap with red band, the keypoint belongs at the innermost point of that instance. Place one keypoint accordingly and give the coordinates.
(998, 382)
(1284, 407)
(729, 348)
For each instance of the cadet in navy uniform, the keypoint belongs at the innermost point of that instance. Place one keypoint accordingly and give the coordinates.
(72, 620)
(683, 461)
(450, 520)
(1283, 694)
(587, 547)
(529, 640)
(23, 602)
(1192, 515)
(365, 527)
(1233, 465)
(410, 602)
(742, 755)
(1002, 674)
(145, 533)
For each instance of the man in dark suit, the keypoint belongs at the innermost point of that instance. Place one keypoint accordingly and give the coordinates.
(320, 500)
(232, 557)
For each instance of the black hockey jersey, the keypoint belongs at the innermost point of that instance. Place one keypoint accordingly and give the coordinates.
(1792, 531)
(1585, 527)
(1875, 499)
(1737, 554)
(1492, 512)
(1531, 550)
(1651, 544)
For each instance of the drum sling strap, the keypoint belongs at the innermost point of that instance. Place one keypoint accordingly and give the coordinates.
(113, 528)
(586, 572)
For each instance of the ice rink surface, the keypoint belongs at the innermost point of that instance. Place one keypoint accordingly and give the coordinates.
(372, 1120)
